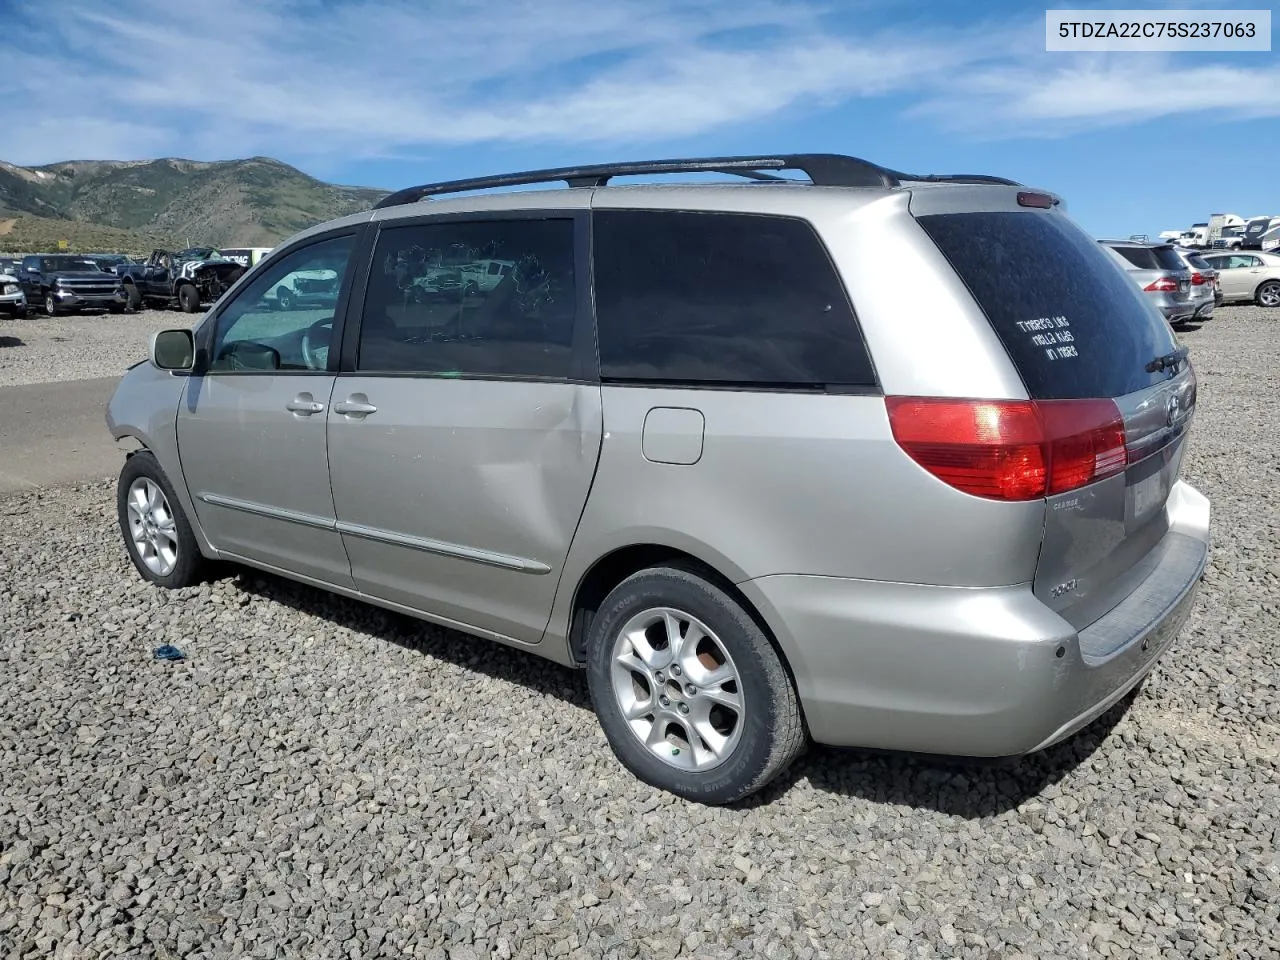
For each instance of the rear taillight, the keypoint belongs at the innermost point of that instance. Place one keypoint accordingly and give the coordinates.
(1011, 449)
(1198, 280)
(1163, 285)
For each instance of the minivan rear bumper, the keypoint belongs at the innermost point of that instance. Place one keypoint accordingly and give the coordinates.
(983, 672)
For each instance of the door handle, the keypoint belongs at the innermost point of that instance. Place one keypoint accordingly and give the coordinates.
(357, 405)
(304, 404)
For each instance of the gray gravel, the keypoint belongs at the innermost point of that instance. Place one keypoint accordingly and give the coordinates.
(321, 779)
(43, 349)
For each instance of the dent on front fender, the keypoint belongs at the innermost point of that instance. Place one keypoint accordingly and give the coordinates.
(144, 409)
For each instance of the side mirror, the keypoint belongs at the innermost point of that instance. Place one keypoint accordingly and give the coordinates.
(173, 349)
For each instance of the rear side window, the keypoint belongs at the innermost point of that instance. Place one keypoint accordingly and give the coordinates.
(732, 299)
(485, 298)
(1073, 324)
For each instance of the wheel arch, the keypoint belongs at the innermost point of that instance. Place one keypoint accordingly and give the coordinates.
(615, 566)
(1258, 289)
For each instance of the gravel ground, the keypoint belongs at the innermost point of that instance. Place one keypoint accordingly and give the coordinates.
(43, 349)
(322, 779)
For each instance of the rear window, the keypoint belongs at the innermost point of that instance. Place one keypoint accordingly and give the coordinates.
(719, 298)
(1197, 261)
(1168, 258)
(1074, 324)
(1144, 258)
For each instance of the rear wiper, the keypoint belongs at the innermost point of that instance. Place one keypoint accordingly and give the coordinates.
(1168, 360)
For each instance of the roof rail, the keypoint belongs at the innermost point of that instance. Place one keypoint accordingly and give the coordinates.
(822, 169)
(955, 178)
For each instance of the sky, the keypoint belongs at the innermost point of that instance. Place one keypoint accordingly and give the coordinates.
(389, 93)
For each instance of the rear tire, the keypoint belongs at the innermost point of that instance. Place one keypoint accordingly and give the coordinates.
(284, 298)
(188, 298)
(157, 534)
(133, 299)
(1268, 294)
(711, 715)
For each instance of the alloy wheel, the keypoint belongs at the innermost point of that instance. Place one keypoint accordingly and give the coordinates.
(678, 689)
(152, 527)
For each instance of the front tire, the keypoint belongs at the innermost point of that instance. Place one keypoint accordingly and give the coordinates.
(692, 696)
(1269, 294)
(157, 535)
(51, 305)
(188, 298)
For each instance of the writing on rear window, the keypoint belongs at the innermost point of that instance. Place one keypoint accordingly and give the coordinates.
(1054, 336)
(1040, 275)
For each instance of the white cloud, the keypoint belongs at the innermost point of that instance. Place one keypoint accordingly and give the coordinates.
(381, 77)
(386, 78)
(1096, 91)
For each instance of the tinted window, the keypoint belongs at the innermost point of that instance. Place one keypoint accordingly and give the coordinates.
(1168, 259)
(721, 298)
(283, 320)
(1143, 258)
(1197, 261)
(488, 298)
(1073, 324)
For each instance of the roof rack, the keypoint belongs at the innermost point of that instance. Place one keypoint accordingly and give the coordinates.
(822, 169)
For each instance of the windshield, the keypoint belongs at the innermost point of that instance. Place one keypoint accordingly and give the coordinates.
(196, 253)
(70, 263)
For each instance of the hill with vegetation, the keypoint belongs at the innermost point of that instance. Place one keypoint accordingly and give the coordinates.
(132, 206)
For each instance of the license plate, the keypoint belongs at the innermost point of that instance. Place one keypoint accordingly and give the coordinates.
(1149, 495)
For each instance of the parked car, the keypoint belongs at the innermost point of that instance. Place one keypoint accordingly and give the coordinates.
(1206, 293)
(892, 463)
(1161, 274)
(1252, 276)
(304, 288)
(69, 283)
(188, 279)
(13, 302)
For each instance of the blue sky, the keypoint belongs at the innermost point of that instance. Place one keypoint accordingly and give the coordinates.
(393, 92)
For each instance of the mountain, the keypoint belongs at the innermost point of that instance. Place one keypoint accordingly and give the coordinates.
(254, 202)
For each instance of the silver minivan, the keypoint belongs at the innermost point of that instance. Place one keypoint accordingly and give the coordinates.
(875, 459)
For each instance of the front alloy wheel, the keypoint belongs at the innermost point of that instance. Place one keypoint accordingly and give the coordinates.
(152, 527)
(157, 536)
